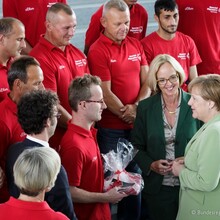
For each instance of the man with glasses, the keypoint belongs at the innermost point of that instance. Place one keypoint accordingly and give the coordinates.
(37, 115)
(80, 153)
(167, 40)
(120, 62)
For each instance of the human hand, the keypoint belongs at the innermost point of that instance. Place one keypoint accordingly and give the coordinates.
(129, 113)
(161, 167)
(114, 195)
(177, 167)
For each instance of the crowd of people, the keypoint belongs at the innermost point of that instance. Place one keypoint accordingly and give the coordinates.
(62, 108)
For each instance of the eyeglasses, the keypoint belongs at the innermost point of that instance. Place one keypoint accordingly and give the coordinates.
(58, 115)
(100, 101)
(171, 79)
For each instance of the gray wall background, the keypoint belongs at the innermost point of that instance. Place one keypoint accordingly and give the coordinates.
(85, 8)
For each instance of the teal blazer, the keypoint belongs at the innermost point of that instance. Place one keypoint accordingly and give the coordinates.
(148, 136)
(200, 179)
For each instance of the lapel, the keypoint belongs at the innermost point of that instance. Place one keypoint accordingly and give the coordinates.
(157, 118)
(184, 109)
(199, 132)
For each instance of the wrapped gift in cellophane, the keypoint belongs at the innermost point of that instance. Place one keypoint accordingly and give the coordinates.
(115, 164)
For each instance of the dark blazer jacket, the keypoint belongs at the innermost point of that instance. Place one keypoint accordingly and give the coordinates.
(148, 136)
(58, 198)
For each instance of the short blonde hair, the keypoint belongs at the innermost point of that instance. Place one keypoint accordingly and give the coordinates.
(155, 65)
(209, 87)
(36, 169)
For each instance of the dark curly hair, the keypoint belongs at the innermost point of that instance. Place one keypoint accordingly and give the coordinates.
(35, 108)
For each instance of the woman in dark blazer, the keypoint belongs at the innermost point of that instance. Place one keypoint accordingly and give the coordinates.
(163, 127)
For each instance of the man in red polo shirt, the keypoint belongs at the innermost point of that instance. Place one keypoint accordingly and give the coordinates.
(138, 23)
(201, 21)
(120, 62)
(32, 15)
(12, 36)
(60, 61)
(80, 153)
(24, 75)
(167, 40)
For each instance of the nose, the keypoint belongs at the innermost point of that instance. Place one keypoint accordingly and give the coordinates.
(23, 43)
(72, 31)
(190, 102)
(41, 86)
(104, 106)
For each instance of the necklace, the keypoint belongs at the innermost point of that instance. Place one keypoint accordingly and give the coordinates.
(170, 112)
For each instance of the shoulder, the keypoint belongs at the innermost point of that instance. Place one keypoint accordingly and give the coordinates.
(140, 8)
(149, 102)
(184, 37)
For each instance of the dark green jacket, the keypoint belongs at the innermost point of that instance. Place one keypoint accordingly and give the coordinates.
(148, 136)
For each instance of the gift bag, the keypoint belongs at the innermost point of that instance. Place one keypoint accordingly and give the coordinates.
(115, 164)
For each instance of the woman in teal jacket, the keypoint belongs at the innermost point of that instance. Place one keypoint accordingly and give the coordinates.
(162, 129)
(199, 172)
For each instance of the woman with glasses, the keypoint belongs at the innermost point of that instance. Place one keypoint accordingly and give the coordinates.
(163, 127)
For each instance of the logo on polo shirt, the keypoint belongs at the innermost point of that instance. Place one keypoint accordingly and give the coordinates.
(183, 56)
(50, 4)
(29, 9)
(94, 158)
(134, 57)
(113, 61)
(61, 67)
(3, 89)
(81, 62)
(22, 134)
(189, 9)
(213, 9)
(136, 30)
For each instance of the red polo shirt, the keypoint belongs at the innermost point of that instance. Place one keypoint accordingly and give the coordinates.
(81, 158)
(138, 24)
(120, 64)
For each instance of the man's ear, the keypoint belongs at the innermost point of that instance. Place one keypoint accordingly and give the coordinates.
(48, 123)
(156, 18)
(48, 25)
(1, 39)
(18, 84)
(103, 21)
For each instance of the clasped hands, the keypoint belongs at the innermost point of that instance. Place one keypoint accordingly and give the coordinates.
(163, 167)
(128, 113)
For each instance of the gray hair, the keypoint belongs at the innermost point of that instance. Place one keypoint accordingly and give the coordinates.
(36, 169)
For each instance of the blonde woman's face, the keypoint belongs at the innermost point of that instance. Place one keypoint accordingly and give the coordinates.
(168, 80)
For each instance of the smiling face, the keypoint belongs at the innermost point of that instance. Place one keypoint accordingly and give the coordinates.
(14, 42)
(61, 28)
(200, 107)
(166, 71)
(116, 24)
(95, 109)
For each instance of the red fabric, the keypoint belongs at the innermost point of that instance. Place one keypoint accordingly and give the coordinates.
(59, 69)
(181, 47)
(10, 133)
(129, 183)
(4, 87)
(31, 13)
(201, 21)
(138, 24)
(120, 64)
(18, 209)
(81, 158)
